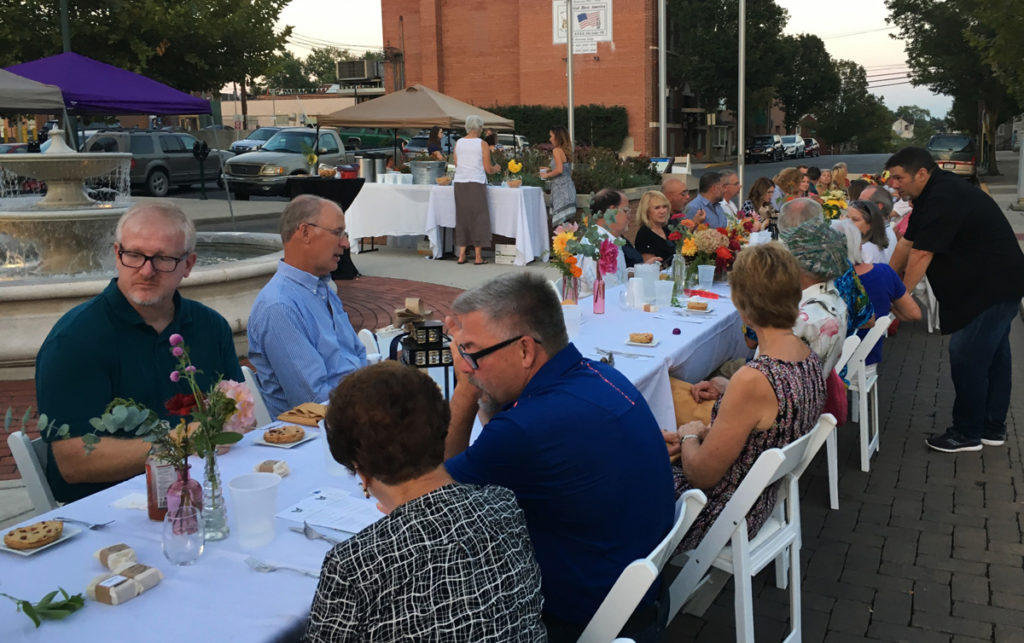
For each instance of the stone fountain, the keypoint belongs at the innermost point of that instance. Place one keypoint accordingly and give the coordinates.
(56, 250)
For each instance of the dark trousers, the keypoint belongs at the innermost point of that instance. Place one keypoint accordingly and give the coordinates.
(980, 363)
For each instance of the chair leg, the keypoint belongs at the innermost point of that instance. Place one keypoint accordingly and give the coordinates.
(706, 592)
(876, 438)
(744, 600)
(831, 450)
(795, 607)
(865, 431)
(854, 399)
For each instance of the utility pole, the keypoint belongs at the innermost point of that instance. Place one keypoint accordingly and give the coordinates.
(662, 82)
(741, 108)
(568, 45)
(65, 29)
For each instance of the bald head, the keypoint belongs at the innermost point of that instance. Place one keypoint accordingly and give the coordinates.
(676, 193)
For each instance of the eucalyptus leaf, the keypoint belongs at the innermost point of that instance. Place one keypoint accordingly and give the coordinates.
(45, 601)
(226, 437)
(119, 414)
(30, 612)
(28, 414)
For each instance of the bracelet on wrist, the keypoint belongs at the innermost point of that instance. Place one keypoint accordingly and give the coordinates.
(689, 435)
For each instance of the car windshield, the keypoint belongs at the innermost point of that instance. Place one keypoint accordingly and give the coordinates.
(417, 141)
(949, 143)
(293, 142)
(262, 134)
(763, 140)
(790, 139)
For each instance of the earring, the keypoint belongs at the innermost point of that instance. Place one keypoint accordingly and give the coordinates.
(366, 492)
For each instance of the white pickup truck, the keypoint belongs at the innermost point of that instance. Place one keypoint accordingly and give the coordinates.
(266, 172)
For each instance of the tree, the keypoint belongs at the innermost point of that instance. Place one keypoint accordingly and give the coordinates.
(287, 73)
(999, 42)
(924, 124)
(322, 63)
(809, 80)
(853, 115)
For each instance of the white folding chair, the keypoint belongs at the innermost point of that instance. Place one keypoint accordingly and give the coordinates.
(369, 340)
(863, 385)
(260, 407)
(637, 578)
(30, 457)
(727, 550)
(832, 446)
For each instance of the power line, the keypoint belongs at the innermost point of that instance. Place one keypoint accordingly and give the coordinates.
(890, 76)
(330, 43)
(856, 33)
(906, 82)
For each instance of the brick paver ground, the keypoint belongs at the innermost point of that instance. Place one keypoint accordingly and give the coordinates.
(369, 301)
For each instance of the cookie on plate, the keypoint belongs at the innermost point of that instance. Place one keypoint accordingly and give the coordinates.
(284, 434)
(34, 535)
(641, 338)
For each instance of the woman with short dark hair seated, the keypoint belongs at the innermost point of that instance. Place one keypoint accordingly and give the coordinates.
(450, 561)
(771, 401)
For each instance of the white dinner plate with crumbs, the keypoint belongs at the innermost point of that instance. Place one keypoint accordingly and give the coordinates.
(67, 534)
(310, 435)
(649, 344)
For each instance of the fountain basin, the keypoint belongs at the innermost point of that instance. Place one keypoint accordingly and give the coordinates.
(30, 308)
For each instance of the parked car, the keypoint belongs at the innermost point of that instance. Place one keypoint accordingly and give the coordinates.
(794, 146)
(811, 147)
(364, 138)
(255, 140)
(956, 153)
(160, 159)
(418, 145)
(766, 147)
(13, 148)
(513, 141)
(266, 172)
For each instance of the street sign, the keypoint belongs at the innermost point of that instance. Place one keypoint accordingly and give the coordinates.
(592, 23)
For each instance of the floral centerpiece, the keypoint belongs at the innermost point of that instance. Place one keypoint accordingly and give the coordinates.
(514, 178)
(833, 203)
(572, 240)
(704, 246)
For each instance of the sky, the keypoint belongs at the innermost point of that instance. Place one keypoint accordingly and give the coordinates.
(851, 30)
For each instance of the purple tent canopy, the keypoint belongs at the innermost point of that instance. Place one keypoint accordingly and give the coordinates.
(91, 86)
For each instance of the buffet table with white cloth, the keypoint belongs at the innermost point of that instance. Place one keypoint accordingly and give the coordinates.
(401, 210)
(218, 598)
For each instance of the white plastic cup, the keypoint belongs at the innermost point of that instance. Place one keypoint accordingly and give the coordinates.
(705, 277)
(573, 315)
(663, 290)
(635, 293)
(254, 503)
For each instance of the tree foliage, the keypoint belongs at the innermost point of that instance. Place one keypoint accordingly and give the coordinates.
(853, 115)
(810, 78)
(321, 63)
(999, 39)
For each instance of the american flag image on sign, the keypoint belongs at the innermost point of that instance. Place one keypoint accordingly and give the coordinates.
(590, 19)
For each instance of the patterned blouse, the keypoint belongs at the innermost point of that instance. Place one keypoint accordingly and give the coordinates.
(800, 389)
(453, 565)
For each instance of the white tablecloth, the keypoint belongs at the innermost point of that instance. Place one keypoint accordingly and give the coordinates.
(401, 210)
(515, 212)
(216, 599)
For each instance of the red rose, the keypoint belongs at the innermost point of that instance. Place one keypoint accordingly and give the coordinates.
(676, 216)
(675, 235)
(748, 225)
(723, 253)
(181, 404)
(724, 231)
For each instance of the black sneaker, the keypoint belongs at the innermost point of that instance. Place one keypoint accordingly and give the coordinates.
(993, 439)
(953, 442)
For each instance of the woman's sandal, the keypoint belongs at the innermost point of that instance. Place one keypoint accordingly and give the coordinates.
(461, 261)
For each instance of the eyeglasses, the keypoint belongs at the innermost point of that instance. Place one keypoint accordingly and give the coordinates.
(338, 232)
(160, 263)
(473, 359)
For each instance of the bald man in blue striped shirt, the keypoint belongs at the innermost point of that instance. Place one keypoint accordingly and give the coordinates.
(301, 341)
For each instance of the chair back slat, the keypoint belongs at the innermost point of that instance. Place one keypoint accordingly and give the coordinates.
(32, 469)
(259, 411)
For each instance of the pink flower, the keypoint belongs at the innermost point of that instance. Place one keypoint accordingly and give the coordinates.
(190, 369)
(244, 417)
(177, 351)
(176, 339)
(609, 260)
(175, 376)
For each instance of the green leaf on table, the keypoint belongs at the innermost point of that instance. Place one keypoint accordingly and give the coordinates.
(226, 437)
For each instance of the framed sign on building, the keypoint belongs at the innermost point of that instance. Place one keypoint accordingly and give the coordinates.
(591, 22)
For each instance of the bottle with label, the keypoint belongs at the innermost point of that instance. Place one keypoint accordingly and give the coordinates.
(159, 477)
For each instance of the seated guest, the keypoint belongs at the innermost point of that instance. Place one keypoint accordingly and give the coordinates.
(839, 177)
(450, 561)
(675, 191)
(824, 182)
(883, 285)
(880, 196)
(707, 206)
(814, 174)
(300, 339)
(793, 183)
(773, 400)
(572, 438)
(730, 188)
(758, 205)
(613, 216)
(116, 345)
(652, 237)
(868, 220)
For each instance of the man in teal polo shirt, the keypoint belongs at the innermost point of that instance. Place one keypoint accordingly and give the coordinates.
(116, 345)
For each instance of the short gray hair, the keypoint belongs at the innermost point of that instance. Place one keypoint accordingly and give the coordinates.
(727, 173)
(302, 209)
(880, 197)
(474, 123)
(798, 211)
(853, 239)
(166, 210)
(519, 303)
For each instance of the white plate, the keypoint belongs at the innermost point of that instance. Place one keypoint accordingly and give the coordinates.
(685, 311)
(310, 435)
(69, 532)
(648, 345)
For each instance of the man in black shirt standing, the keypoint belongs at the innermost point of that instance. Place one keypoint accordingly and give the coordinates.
(975, 266)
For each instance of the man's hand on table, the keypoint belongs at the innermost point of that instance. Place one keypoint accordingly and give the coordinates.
(709, 390)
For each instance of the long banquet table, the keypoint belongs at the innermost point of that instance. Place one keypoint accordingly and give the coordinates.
(399, 210)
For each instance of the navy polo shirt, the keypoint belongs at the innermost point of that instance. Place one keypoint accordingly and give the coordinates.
(102, 349)
(587, 462)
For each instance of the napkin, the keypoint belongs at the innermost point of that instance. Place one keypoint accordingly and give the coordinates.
(307, 414)
(132, 501)
(700, 293)
(412, 311)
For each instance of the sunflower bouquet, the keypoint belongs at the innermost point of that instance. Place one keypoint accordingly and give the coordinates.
(833, 203)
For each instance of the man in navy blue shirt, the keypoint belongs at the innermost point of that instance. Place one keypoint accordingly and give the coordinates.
(573, 439)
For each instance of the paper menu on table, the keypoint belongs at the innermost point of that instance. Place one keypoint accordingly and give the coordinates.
(334, 509)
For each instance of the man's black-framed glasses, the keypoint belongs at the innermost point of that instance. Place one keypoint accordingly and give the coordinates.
(473, 359)
(160, 263)
(339, 232)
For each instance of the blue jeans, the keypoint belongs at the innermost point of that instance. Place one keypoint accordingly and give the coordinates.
(979, 359)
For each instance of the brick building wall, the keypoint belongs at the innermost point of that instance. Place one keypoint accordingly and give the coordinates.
(489, 53)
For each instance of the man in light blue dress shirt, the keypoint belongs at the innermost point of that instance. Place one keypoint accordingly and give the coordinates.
(301, 341)
(708, 202)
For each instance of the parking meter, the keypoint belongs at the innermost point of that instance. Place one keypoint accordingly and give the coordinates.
(200, 150)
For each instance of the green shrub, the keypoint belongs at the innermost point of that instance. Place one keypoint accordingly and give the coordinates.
(595, 125)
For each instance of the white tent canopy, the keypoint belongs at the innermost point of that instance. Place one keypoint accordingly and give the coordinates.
(416, 106)
(18, 94)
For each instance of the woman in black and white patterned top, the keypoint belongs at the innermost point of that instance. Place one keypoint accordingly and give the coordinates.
(450, 562)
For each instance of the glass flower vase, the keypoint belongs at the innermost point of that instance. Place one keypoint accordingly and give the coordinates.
(184, 492)
(690, 280)
(599, 294)
(215, 514)
(678, 278)
(571, 290)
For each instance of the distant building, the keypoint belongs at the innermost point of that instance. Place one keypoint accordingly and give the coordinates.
(903, 129)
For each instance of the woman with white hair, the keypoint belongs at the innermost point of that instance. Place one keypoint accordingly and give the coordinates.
(472, 164)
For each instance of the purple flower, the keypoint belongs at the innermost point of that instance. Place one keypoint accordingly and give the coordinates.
(176, 339)
(190, 369)
(175, 376)
(177, 351)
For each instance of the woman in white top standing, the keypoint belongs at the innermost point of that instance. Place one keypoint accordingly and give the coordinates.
(472, 163)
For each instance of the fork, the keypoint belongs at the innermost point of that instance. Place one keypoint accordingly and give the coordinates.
(265, 567)
(311, 533)
(87, 525)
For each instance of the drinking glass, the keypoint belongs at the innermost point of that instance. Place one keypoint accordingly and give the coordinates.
(183, 536)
